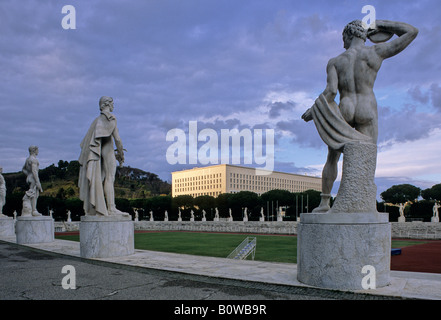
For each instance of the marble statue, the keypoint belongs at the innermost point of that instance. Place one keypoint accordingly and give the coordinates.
(68, 216)
(191, 215)
(401, 208)
(165, 215)
(230, 218)
(279, 214)
(15, 214)
(151, 216)
(2, 193)
(179, 215)
(352, 74)
(30, 169)
(262, 216)
(245, 214)
(216, 214)
(203, 215)
(435, 217)
(98, 163)
(136, 214)
(51, 212)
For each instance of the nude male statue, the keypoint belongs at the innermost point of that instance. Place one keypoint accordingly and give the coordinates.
(353, 74)
(98, 163)
(30, 169)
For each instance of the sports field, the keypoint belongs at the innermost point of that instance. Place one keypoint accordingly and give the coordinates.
(273, 248)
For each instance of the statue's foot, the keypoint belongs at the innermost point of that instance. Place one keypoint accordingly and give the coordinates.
(324, 204)
(116, 212)
(321, 209)
(3, 216)
(36, 214)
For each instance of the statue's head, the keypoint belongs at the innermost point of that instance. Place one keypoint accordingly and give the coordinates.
(33, 150)
(106, 102)
(353, 29)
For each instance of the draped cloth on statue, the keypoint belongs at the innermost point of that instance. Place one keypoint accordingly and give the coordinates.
(332, 127)
(92, 175)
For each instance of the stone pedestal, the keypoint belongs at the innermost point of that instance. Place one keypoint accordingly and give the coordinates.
(332, 249)
(7, 227)
(39, 229)
(434, 219)
(401, 219)
(106, 236)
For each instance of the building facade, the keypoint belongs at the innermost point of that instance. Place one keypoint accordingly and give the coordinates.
(225, 178)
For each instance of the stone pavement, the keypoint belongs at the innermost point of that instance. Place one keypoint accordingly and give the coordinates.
(260, 274)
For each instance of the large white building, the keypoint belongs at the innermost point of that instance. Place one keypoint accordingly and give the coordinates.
(225, 178)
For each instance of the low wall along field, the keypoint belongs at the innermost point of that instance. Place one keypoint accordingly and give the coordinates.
(404, 230)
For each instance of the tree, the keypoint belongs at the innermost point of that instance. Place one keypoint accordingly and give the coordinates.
(401, 193)
(243, 199)
(282, 197)
(183, 201)
(205, 202)
(313, 199)
(433, 193)
(223, 203)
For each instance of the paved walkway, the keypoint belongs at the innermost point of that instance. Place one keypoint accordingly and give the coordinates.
(403, 284)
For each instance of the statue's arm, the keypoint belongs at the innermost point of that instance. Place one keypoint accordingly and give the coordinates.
(405, 32)
(119, 146)
(331, 89)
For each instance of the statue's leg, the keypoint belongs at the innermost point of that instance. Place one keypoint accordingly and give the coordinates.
(109, 166)
(34, 200)
(329, 175)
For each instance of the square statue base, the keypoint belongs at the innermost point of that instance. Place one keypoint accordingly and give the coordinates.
(30, 229)
(106, 236)
(7, 227)
(334, 248)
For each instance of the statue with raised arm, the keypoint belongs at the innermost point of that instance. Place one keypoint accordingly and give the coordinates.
(98, 163)
(352, 74)
(30, 169)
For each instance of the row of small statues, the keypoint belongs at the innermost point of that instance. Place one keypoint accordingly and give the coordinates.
(216, 216)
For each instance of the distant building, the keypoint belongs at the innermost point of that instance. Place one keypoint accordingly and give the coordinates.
(225, 178)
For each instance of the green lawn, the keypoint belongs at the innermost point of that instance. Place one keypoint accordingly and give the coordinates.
(269, 247)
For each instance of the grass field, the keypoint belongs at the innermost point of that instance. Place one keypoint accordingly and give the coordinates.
(269, 247)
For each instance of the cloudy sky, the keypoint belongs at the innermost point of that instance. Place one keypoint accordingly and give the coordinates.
(249, 64)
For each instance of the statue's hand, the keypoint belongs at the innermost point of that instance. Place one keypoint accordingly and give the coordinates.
(119, 155)
(307, 116)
